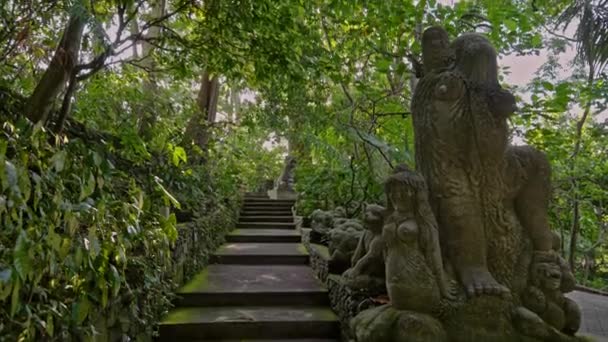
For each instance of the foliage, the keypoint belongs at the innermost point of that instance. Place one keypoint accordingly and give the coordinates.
(328, 81)
(83, 240)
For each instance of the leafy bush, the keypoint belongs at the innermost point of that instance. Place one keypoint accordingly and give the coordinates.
(84, 248)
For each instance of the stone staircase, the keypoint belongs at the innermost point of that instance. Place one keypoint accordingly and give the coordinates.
(259, 286)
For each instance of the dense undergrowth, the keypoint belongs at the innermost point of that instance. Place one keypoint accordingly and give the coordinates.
(86, 247)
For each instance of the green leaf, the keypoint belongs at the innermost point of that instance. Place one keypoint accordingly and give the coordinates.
(510, 24)
(80, 310)
(58, 160)
(15, 297)
(50, 326)
(383, 65)
(21, 258)
(537, 40)
(547, 85)
(179, 155)
(88, 187)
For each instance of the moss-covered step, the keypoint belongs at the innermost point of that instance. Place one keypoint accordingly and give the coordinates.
(261, 254)
(265, 218)
(267, 225)
(267, 212)
(257, 322)
(267, 204)
(223, 285)
(263, 235)
(278, 340)
(269, 201)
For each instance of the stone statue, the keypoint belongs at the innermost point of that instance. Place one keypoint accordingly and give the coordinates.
(477, 203)
(490, 201)
(415, 278)
(343, 240)
(460, 119)
(544, 297)
(287, 179)
(368, 271)
(322, 221)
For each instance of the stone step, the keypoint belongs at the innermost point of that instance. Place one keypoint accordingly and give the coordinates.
(256, 195)
(270, 201)
(247, 253)
(267, 212)
(263, 235)
(267, 225)
(257, 322)
(265, 218)
(266, 207)
(278, 340)
(250, 285)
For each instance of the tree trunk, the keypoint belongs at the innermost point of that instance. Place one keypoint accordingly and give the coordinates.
(66, 105)
(580, 124)
(53, 81)
(147, 118)
(197, 130)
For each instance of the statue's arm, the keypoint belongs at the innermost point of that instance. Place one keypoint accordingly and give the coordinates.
(375, 250)
(360, 250)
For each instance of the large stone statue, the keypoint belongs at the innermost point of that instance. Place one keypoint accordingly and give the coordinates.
(460, 118)
(484, 219)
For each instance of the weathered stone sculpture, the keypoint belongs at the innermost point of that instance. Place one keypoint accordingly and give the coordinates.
(322, 221)
(284, 186)
(343, 240)
(415, 279)
(485, 216)
(490, 199)
(545, 298)
(368, 271)
(287, 179)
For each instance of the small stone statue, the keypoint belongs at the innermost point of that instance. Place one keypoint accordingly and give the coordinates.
(415, 278)
(368, 270)
(287, 179)
(322, 221)
(343, 239)
(545, 298)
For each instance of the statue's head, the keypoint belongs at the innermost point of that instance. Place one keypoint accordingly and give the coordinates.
(339, 212)
(322, 218)
(374, 216)
(436, 51)
(546, 275)
(402, 189)
(476, 58)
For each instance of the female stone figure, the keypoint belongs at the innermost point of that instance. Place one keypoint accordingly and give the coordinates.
(415, 277)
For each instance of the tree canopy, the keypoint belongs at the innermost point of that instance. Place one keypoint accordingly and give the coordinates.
(121, 119)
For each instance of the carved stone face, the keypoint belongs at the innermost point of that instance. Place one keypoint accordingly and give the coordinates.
(548, 275)
(402, 198)
(373, 216)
